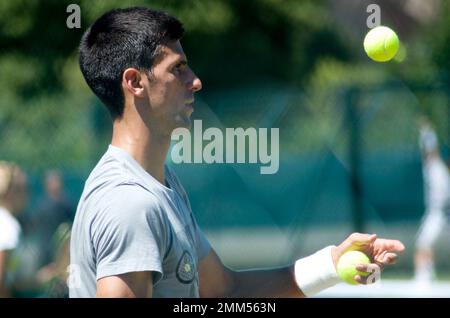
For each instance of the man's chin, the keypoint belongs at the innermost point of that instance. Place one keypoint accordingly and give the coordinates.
(183, 122)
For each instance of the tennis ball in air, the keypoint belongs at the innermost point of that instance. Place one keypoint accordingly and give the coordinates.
(346, 267)
(381, 44)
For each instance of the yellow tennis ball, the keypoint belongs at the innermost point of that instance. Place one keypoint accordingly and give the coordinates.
(381, 44)
(346, 267)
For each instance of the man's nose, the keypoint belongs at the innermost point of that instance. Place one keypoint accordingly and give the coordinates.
(195, 84)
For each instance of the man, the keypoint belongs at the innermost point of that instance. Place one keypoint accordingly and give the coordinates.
(13, 200)
(134, 233)
(437, 203)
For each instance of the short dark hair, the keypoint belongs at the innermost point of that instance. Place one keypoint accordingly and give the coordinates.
(119, 39)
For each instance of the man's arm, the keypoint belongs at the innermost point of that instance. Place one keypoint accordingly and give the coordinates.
(130, 285)
(216, 280)
(3, 292)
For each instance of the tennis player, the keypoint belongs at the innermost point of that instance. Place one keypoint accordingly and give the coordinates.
(437, 204)
(134, 233)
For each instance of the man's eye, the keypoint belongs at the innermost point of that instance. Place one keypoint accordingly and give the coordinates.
(179, 67)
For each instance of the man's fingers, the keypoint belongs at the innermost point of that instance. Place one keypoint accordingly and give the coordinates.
(386, 258)
(372, 273)
(366, 280)
(389, 259)
(361, 279)
(357, 241)
(396, 246)
(390, 245)
(361, 268)
(368, 268)
(362, 237)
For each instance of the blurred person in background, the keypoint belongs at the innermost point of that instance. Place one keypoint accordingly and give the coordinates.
(39, 256)
(53, 213)
(37, 264)
(437, 203)
(13, 200)
(52, 278)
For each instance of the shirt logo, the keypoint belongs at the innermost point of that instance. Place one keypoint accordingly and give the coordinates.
(186, 268)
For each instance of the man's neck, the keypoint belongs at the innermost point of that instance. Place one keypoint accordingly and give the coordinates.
(147, 149)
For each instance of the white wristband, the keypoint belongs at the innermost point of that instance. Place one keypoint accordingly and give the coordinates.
(316, 272)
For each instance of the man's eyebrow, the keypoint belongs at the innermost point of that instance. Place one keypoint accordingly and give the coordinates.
(181, 60)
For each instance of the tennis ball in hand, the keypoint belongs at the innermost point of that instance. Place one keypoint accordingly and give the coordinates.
(346, 267)
(381, 44)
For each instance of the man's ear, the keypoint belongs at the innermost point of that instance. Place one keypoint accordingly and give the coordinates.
(131, 82)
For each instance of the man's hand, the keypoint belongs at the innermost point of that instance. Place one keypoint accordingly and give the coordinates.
(381, 252)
